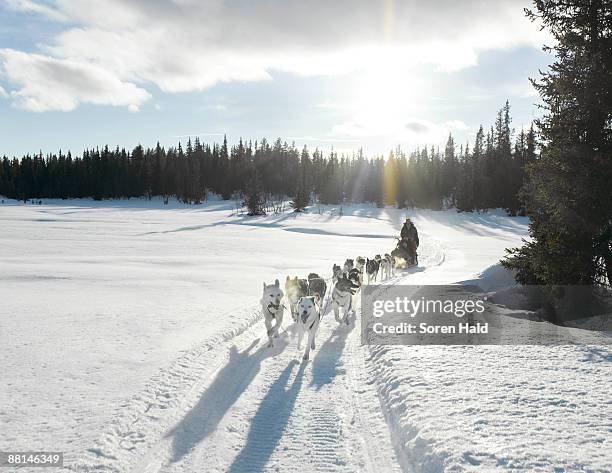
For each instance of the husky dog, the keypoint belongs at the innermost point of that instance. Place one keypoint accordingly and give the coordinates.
(390, 265)
(372, 267)
(378, 259)
(348, 265)
(294, 289)
(356, 276)
(272, 309)
(316, 285)
(309, 317)
(360, 263)
(336, 272)
(342, 297)
(384, 269)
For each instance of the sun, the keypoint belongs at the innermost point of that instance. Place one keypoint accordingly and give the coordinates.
(382, 96)
(382, 91)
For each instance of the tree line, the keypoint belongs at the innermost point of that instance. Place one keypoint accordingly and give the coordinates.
(487, 175)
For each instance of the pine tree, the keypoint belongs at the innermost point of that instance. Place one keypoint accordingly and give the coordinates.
(569, 191)
(300, 199)
(451, 170)
(254, 197)
(465, 189)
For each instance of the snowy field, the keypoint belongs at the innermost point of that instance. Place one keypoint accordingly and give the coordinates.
(132, 340)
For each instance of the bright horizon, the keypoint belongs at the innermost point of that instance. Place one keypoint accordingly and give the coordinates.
(382, 75)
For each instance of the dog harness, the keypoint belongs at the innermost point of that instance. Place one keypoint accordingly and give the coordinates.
(318, 317)
(342, 295)
(276, 309)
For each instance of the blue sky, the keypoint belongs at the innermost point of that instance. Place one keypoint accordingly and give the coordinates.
(375, 74)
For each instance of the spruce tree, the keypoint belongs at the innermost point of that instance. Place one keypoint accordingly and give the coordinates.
(570, 189)
(451, 171)
(465, 188)
(300, 199)
(254, 197)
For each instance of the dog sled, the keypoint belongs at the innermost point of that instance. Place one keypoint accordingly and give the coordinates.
(405, 254)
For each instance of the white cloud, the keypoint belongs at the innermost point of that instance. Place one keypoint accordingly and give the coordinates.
(45, 83)
(35, 7)
(417, 127)
(413, 131)
(3, 92)
(456, 125)
(187, 45)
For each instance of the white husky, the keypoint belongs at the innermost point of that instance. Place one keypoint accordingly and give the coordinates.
(309, 317)
(272, 309)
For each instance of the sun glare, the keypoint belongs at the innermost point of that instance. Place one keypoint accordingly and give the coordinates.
(383, 96)
(381, 92)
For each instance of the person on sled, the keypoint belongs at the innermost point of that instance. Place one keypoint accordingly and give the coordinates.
(410, 240)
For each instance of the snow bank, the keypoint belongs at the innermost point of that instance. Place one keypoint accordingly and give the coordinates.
(497, 408)
(494, 278)
(492, 408)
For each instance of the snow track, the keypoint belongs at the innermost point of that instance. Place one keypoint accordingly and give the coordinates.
(257, 409)
(262, 410)
(235, 405)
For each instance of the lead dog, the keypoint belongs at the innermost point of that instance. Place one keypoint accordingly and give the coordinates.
(272, 309)
(309, 317)
(342, 298)
(295, 289)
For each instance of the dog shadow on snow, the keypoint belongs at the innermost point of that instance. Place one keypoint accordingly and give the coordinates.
(326, 364)
(230, 382)
(270, 421)
(272, 417)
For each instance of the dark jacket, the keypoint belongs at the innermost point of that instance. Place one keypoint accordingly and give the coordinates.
(410, 233)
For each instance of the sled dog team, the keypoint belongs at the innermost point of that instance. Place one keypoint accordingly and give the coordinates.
(305, 296)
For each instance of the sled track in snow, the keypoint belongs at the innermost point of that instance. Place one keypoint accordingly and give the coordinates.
(163, 397)
(266, 410)
(235, 405)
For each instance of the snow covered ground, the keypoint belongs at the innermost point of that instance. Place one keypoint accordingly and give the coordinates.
(132, 340)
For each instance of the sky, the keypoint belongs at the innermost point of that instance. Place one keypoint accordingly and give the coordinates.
(347, 74)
